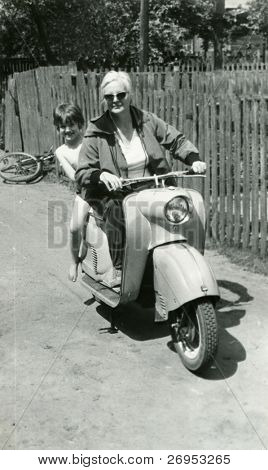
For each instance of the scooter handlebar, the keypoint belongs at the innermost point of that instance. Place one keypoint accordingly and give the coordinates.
(156, 178)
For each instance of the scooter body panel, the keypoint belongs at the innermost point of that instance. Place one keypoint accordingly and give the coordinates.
(138, 236)
(181, 274)
(147, 227)
(98, 260)
(152, 204)
(180, 271)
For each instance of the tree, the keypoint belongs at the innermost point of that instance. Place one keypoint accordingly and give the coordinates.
(258, 17)
(178, 20)
(61, 30)
(37, 15)
(24, 30)
(57, 30)
(106, 32)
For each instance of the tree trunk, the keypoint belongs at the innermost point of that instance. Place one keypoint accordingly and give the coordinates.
(38, 20)
(218, 32)
(144, 33)
(217, 44)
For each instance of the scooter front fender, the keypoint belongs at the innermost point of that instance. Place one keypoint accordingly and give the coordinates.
(181, 274)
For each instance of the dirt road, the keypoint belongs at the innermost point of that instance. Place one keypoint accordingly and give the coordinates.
(67, 383)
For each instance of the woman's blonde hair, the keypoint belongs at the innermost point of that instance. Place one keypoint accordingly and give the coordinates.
(114, 76)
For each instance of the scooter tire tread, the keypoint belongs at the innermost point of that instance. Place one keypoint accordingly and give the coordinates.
(207, 321)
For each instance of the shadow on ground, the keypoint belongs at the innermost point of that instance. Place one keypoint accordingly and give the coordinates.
(229, 315)
(136, 320)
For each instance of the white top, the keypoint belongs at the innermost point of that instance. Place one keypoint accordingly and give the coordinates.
(68, 154)
(135, 155)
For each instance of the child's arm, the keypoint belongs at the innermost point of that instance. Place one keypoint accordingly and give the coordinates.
(68, 169)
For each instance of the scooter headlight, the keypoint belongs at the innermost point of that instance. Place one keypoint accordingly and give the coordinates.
(177, 209)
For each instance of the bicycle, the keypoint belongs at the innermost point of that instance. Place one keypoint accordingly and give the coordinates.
(21, 167)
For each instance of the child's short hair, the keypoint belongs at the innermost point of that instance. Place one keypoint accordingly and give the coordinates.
(68, 114)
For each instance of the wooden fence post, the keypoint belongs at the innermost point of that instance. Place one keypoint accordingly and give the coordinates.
(222, 169)
(12, 134)
(214, 169)
(254, 173)
(263, 176)
(237, 120)
(206, 145)
(246, 173)
(229, 172)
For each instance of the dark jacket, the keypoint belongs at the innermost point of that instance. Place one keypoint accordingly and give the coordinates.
(100, 150)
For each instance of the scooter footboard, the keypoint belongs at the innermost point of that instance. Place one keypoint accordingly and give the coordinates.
(181, 274)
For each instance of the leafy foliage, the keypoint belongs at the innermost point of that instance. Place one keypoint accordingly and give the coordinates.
(106, 32)
(258, 17)
(63, 30)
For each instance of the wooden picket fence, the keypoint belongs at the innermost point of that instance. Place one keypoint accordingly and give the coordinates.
(224, 114)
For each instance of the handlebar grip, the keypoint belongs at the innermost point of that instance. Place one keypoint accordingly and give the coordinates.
(192, 172)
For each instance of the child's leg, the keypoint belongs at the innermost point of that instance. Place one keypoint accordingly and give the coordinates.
(80, 211)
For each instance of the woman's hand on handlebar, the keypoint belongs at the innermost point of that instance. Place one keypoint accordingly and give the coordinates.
(112, 182)
(199, 167)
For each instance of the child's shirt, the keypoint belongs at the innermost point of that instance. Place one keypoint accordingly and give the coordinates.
(68, 154)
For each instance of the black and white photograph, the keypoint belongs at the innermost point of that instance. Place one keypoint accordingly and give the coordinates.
(133, 233)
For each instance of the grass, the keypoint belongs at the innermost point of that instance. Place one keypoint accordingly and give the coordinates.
(244, 258)
(51, 177)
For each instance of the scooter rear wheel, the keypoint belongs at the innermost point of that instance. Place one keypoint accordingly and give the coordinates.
(194, 332)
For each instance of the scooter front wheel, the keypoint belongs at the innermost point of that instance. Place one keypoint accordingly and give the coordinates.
(194, 333)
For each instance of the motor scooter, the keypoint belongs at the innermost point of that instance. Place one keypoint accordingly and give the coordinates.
(165, 230)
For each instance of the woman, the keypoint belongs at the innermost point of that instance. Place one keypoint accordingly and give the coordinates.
(125, 142)
(69, 121)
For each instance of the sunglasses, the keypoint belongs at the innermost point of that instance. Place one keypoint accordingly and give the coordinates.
(119, 96)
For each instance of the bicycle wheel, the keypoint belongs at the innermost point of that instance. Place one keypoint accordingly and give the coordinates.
(19, 167)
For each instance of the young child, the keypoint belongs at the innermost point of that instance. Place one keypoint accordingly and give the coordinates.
(69, 121)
